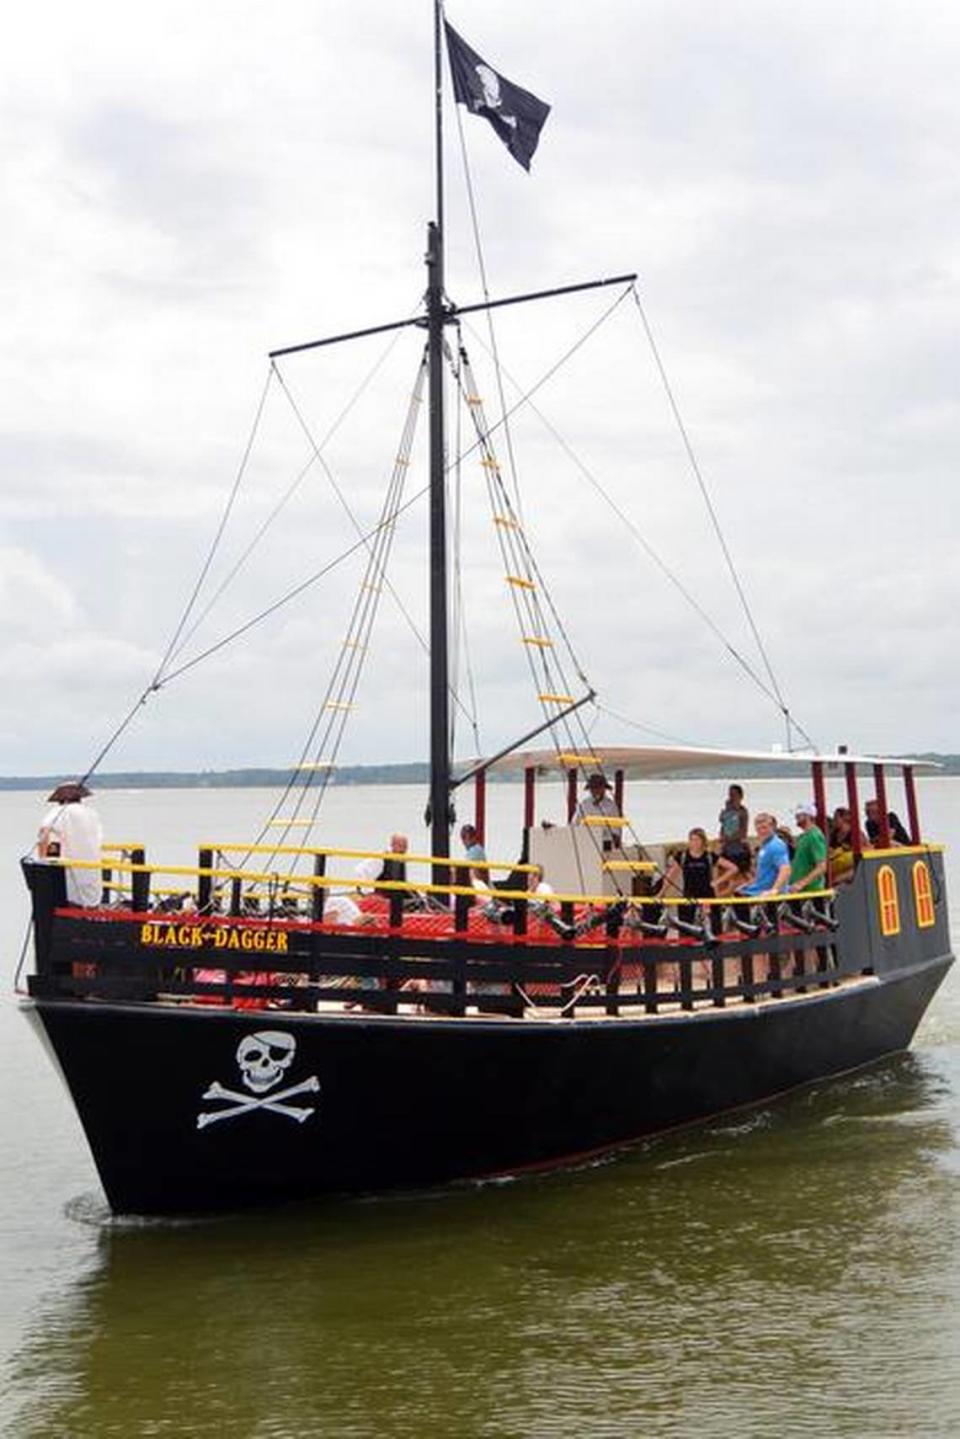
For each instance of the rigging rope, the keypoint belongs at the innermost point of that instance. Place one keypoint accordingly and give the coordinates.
(224, 518)
(526, 585)
(482, 267)
(715, 521)
(292, 487)
(338, 701)
(649, 550)
(161, 680)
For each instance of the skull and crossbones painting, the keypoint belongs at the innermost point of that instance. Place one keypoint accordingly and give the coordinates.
(263, 1059)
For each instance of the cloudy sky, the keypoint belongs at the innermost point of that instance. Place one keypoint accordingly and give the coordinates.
(188, 186)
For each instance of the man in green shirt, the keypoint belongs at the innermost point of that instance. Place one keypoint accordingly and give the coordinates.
(809, 866)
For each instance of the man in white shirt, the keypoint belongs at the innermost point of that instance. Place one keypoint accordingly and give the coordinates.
(597, 805)
(72, 830)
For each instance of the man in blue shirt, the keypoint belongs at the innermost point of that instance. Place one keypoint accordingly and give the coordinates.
(773, 860)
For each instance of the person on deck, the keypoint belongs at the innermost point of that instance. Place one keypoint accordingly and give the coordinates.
(734, 826)
(474, 852)
(541, 905)
(72, 830)
(371, 870)
(773, 860)
(691, 874)
(809, 865)
(596, 805)
(841, 846)
(898, 835)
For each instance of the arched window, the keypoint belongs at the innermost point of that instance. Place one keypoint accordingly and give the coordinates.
(923, 896)
(889, 900)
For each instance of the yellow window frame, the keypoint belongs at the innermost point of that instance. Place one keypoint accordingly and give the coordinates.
(923, 896)
(888, 899)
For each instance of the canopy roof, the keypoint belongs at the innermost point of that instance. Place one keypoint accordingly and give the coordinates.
(651, 761)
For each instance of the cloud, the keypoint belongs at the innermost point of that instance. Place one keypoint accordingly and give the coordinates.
(187, 192)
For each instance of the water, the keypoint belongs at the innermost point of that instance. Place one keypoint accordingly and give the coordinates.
(793, 1272)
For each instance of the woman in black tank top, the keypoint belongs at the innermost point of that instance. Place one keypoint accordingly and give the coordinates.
(696, 865)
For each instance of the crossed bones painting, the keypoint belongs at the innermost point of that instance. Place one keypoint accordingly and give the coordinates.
(263, 1059)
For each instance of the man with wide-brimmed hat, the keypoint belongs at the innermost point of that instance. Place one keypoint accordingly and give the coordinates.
(71, 830)
(599, 804)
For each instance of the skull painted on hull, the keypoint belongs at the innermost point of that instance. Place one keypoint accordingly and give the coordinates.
(264, 1058)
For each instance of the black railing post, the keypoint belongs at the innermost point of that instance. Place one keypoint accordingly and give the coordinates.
(318, 891)
(685, 968)
(205, 882)
(140, 883)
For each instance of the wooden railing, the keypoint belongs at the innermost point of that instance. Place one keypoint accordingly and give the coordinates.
(238, 935)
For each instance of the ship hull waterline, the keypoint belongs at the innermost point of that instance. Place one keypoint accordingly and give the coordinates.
(373, 1103)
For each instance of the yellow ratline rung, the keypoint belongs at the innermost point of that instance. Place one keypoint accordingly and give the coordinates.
(540, 642)
(571, 758)
(520, 582)
(636, 866)
(555, 699)
(490, 464)
(401, 461)
(315, 764)
(474, 400)
(289, 823)
(507, 522)
(374, 589)
(605, 821)
(339, 705)
(354, 645)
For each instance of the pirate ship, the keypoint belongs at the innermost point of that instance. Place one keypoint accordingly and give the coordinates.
(275, 1046)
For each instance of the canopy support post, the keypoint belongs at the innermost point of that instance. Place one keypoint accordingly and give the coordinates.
(880, 789)
(853, 804)
(912, 809)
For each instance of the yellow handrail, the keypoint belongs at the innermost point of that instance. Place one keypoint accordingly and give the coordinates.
(349, 882)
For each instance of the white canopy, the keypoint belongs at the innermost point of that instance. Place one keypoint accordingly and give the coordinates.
(654, 761)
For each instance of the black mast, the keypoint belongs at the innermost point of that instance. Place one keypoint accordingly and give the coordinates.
(439, 671)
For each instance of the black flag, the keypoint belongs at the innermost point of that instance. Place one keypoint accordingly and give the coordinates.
(515, 114)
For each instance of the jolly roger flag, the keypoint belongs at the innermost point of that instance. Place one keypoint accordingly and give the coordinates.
(515, 114)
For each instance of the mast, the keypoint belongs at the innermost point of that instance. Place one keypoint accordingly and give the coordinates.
(439, 668)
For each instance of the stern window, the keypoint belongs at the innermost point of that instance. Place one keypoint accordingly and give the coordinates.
(889, 900)
(923, 896)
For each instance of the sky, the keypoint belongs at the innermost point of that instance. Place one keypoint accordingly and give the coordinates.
(188, 187)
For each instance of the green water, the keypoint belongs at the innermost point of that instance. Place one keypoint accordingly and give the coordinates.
(793, 1271)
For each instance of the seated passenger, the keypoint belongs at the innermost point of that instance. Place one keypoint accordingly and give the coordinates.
(841, 847)
(898, 835)
(773, 860)
(729, 874)
(503, 911)
(341, 909)
(377, 868)
(474, 851)
(734, 826)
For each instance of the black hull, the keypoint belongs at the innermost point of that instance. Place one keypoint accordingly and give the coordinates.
(407, 1103)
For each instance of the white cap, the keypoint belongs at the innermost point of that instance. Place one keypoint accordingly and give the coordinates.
(810, 810)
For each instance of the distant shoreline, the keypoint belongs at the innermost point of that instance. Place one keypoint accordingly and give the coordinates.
(359, 775)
